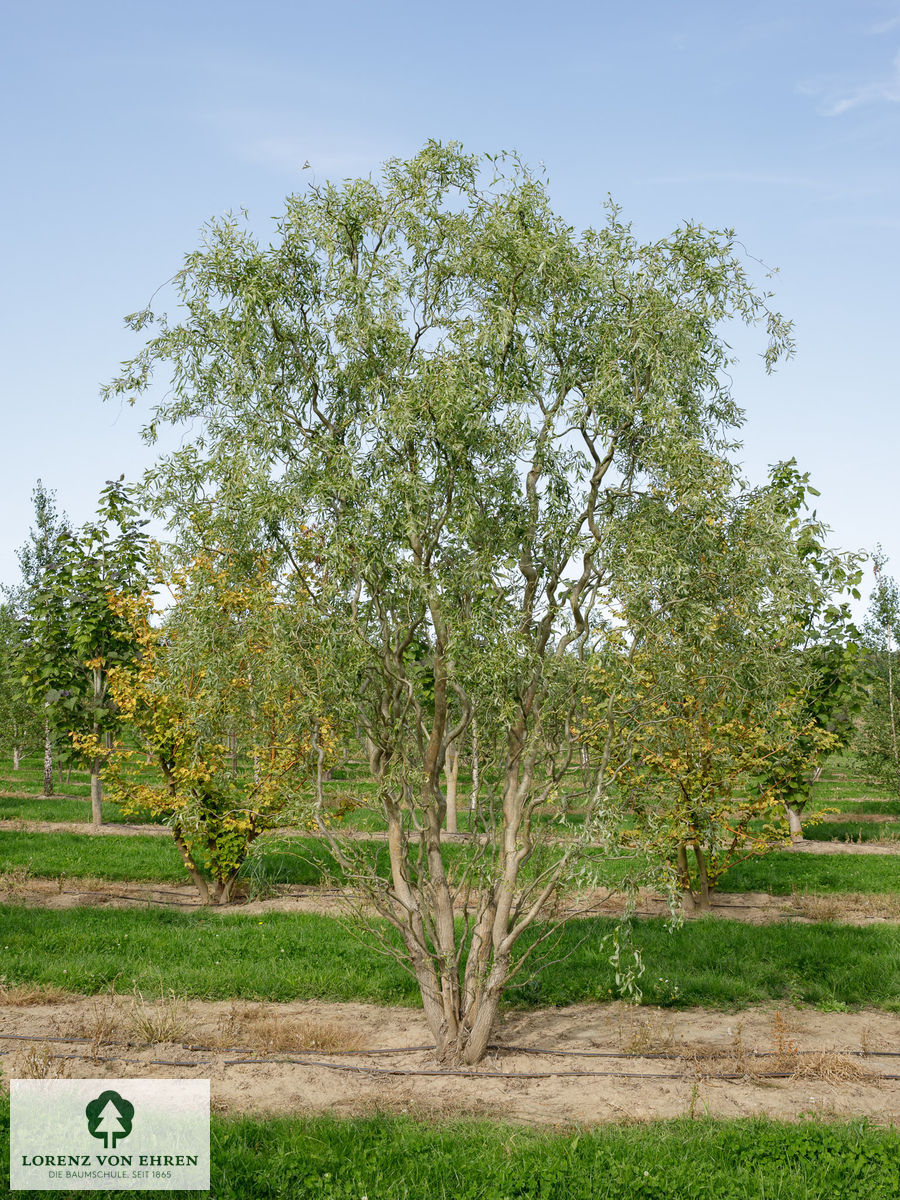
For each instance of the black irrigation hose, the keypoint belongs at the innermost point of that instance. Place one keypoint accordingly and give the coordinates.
(511, 1048)
(404, 1071)
(669, 1055)
(307, 1062)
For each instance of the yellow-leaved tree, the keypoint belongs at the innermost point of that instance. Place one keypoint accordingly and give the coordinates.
(704, 689)
(222, 728)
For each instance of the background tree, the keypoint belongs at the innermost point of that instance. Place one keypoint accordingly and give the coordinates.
(21, 727)
(103, 561)
(878, 736)
(223, 666)
(705, 691)
(41, 606)
(459, 394)
(831, 690)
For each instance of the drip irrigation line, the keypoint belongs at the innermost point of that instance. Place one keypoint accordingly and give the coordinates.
(669, 1055)
(511, 1048)
(115, 1058)
(331, 1066)
(149, 1062)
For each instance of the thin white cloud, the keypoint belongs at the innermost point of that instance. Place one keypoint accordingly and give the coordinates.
(886, 26)
(838, 98)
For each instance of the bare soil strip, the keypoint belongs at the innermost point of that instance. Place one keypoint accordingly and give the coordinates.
(810, 847)
(581, 1065)
(755, 908)
(20, 826)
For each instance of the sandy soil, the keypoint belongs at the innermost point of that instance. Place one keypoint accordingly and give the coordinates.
(20, 826)
(803, 847)
(808, 847)
(755, 908)
(631, 1064)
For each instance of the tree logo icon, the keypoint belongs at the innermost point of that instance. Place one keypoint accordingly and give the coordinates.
(109, 1117)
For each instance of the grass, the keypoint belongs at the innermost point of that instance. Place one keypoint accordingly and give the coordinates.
(284, 957)
(855, 787)
(393, 1157)
(307, 861)
(884, 808)
(854, 831)
(780, 872)
(277, 860)
(50, 855)
(65, 808)
(142, 857)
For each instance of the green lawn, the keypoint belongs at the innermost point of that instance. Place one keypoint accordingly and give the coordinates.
(144, 857)
(854, 831)
(304, 860)
(284, 957)
(884, 808)
(66, 808)
(780, 872)
(399, 1158)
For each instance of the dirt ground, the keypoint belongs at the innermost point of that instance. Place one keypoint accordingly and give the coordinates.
(755, 908)
(619, 1063)
(18, 825)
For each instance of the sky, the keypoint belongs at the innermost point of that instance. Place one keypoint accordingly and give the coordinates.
(126, 127)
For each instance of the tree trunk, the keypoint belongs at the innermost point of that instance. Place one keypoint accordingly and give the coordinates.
(476, 1044)
(473, 801)
(688, 900)
(96, 785)
(795, 821)
(17, 757)
(451, 767)
(96, 794)
(198, 879)
(48, 760)
(703, 901)
(894, 746)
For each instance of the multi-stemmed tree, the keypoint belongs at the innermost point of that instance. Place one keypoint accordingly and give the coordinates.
(463, 398)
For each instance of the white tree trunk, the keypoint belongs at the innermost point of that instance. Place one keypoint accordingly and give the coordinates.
(795, 822)
(451, 768)
(48, 760)
(473, 802)
(17, 757)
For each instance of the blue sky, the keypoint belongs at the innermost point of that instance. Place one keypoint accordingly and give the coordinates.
(127, 126)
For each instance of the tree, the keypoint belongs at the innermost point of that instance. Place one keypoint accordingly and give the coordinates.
(104, 562)
(460, 396)
(44, 643)
(828, 644)
(209, 674)
(705, 691)
(878, 736)
(20, 725)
